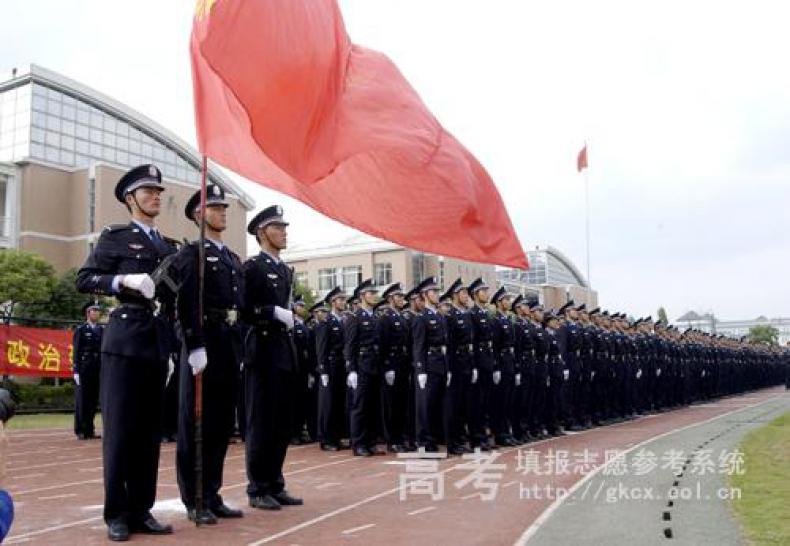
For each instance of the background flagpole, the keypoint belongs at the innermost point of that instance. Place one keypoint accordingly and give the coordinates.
(199, 377)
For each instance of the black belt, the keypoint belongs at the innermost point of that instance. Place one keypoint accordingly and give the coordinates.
(228, 316)
(465, 348)
(507, 350)
(374, 349)
(139, 306)
(438, 349)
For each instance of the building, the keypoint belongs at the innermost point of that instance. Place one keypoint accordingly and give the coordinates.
(551, 279)
(63, 147)
(347, 262)
(707, 322)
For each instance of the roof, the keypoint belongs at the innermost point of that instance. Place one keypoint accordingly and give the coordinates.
(356, 244)
(49, 78)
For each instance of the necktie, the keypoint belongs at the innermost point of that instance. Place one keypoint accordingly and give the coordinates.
(157, 240)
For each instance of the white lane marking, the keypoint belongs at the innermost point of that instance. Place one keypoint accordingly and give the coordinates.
(546, 514)
(51, 487)
(360, 528)
(508, 484)
(421, 511)
(327, 485)
(377, 475)
(29, 476)
(26, 536)
(63, 496)
(302, 461)
(470, 496)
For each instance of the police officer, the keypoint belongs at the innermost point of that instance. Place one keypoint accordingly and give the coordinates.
(213, 347)
(397, 368)
(329, 344)
(429, 351)
(558, 374)
(521, 419)
(509, 374)
(86, 343)
(270, 362)
(135, 349)
(305, 381)
(485, 374)
(460, 352)
(363, 358)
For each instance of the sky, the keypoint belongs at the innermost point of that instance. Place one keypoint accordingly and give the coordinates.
(684, 106)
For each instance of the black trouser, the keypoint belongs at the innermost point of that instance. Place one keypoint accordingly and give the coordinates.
(87, 398)
(331, 407)
(457, 407)
(305, 407)
(430, 408)
(481, 393)
(394, 407)
(269, 399)
(132, 393)
(365, 401)
(501, 403)
(220, 393)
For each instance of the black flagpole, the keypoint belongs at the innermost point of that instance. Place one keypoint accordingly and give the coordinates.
(199, 377)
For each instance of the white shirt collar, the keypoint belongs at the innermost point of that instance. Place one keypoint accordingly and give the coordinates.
(275, 260)
(146, 228)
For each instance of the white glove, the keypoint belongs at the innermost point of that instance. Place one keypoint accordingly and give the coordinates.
(566, 374)
(658, 372)
(310, 381)
(285, 316)
(497, 377)
(77, 379)
(474, 376)
(389, 377)
(141, 282)
(518, 380)
(170, 368)
(449, 378)
(422, 380)
(352, 380)
(548, 381)
(325, 379)
(198, 360)
(639, 373)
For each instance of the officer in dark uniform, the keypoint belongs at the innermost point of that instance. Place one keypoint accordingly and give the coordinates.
(485, 373)
(504, 339)
(213, 347)
(135, 349)
(541, 408)
(316, 314)
(397, 368)
(270, 368)
(521, 419)
(429, 351)
(86, 348)
(415, 304)
(558, 374)
(329, 343)
(460, 352)
(570, 340)
(305, 381)
(362, 353)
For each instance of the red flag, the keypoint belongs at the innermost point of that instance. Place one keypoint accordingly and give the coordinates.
(285, 99)
(581, 160)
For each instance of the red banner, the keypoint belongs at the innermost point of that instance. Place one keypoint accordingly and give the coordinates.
(39, 352)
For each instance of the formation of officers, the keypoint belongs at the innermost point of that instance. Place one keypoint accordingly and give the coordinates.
(465, 368)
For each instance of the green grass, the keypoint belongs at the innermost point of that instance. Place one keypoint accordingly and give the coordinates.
(44, 420)
(764, 506)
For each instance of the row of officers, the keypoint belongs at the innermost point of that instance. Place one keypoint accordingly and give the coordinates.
(414, 369)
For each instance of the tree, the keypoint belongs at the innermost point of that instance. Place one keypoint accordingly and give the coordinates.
(764, 334)
(305, 292)
(25, 278)
(64, 302)
(662, 315)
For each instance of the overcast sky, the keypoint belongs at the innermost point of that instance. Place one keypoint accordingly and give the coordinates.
(685, 107)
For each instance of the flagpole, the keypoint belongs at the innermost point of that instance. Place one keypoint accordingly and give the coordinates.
(587, 215)
(199, 500)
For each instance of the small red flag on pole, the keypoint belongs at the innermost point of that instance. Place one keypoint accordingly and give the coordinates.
(581, 160)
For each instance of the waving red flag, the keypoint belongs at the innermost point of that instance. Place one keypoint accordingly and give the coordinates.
(581, 160)
(285, 99)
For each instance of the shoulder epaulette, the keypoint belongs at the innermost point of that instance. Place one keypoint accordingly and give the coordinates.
(175, 242)
(112, 228)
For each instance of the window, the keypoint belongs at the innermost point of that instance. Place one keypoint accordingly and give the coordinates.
(326, 279)
(383, 274)
(352, 277)
(301, 278)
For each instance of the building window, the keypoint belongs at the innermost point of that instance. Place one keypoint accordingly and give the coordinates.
(383, 274)
(352, 277)
(301, 279)
(326, 279)
(441, 272)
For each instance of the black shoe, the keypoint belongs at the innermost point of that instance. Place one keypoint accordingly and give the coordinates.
(82, 436)
(149, 526)
(266, 502)
(456, 450)
(484, 446)
(202, 517)
(362, 452)
(287, 500)
(329, 447)
(225, 511)
(118, 531)
(296, 441)
(397, 448)
(376, 451)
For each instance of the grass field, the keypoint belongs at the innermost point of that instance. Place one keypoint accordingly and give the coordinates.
(44, 420)
(764, 506)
